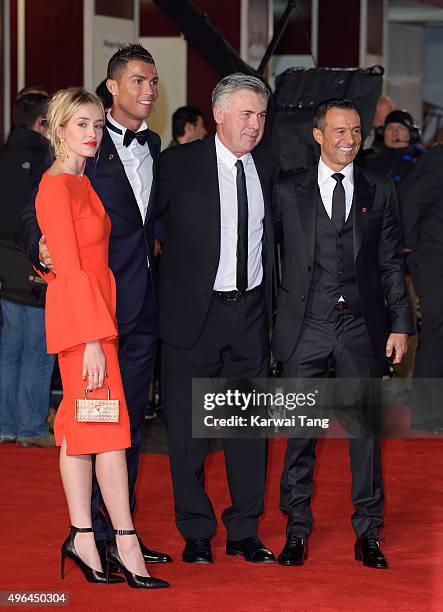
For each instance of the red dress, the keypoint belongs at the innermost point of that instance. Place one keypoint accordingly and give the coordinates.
(80, 306)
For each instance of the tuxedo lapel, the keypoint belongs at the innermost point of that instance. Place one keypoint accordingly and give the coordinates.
(114, 166)
(209, 182)
(263, 170)
(306, 197)
(362, 203)
(261, 166)
(154, 154)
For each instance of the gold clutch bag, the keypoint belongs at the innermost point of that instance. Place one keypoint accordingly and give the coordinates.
(97, 410)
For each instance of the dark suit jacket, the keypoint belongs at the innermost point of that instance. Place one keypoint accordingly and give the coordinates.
(188, 196)
(22, 163)
(131, 241)
(379, 264)
(421, 199)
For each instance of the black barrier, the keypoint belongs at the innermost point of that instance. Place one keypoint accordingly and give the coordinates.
(299, 91)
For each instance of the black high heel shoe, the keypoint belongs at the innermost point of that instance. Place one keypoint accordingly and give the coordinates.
(91, 575)
(133, 580)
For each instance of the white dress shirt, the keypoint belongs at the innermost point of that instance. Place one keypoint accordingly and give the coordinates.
(226, 277)
(137, 162)
(327, 185)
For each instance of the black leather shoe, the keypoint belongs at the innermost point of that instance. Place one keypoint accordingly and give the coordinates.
(152, 556)
(197, 550)
(367, 550)
(252, 549)
(294, 552)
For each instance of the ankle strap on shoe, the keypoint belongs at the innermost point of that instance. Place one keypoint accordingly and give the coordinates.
(122, 532)
(81, 529)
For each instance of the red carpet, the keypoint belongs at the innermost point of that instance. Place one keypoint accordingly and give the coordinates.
(33, 520)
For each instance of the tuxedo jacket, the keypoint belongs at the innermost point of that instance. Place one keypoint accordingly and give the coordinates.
(131, 241)
(189, 200)
(377, 251)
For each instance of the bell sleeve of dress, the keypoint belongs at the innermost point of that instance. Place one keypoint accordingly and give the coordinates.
(76, 311)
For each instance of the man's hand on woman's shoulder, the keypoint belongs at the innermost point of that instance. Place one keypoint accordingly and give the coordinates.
(44, 255)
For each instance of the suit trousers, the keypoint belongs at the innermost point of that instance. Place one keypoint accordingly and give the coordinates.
(341, 341)
(233, 343)
(137, 350)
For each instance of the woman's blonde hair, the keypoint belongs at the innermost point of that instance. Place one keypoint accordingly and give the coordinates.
(62, 106)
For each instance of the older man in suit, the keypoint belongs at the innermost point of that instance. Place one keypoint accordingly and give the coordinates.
(214, 303)
(124, 176)
(342, 264)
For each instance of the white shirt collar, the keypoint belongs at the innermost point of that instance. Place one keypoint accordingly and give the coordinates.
(325, 172)
(115, 123)
(227, 157)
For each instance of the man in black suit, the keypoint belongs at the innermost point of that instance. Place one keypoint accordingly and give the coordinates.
(124, 176)
(421, 197)
(342, 261)
(214, 303)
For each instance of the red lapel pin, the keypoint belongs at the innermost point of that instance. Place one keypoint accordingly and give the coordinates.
(364, 210)
(112, 157)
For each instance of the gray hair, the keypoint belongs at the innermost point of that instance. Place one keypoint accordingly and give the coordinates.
(236, 82)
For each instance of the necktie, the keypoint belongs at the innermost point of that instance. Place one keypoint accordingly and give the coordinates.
(242, 229)
(129, 136)
(338, 202)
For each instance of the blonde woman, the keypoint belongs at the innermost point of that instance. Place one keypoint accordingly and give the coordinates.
(81, 328)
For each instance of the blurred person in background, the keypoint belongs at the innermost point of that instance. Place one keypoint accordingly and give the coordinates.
(32, 89)
(374, 140)
(421, 195)
(28, 90)
(187, 125)
(25, 367)
(396, 159)
(105, 95)
(400, 148)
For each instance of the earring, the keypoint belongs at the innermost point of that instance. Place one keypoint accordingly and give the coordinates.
(62, 152)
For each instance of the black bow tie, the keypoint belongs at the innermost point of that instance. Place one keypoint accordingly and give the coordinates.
(129, 136)
(141, 137)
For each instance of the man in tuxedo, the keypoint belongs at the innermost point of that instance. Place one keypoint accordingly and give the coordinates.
(214, 304)
(342, 262)
(124, 176)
